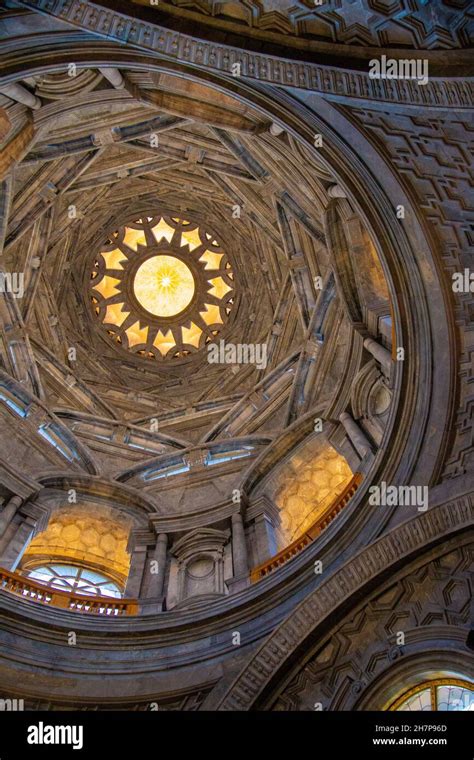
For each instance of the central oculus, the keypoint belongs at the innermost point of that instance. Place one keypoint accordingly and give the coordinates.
(164, 285)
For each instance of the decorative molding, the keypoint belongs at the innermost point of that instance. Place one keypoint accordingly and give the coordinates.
(439, 180)
(387, 552)
(18, 483)
(284, 73)
(356, 25)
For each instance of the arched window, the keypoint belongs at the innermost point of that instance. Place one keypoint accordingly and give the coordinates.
(77, 579)
(439, 694)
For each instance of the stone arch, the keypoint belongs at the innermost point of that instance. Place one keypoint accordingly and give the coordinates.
(270, 666)
(422, 665)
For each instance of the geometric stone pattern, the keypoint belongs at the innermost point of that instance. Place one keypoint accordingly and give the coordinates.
(413, 23)
(437, 593)
(152, 37)
(313, 477)
(321, 604)
(92, 536)
(435, 156)
(176, 175)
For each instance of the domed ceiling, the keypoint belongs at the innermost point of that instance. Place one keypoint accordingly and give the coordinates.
(232, 318)
(169, 229)
(180, 249)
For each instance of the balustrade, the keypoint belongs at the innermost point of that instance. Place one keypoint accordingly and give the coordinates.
(37, 592)
(261, 571)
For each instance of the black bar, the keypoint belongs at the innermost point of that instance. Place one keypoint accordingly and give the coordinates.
(310, 734)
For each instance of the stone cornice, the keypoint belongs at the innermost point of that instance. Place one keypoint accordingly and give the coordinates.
(284, 27)
(385, 554)
(130, 498)
(168, 633)
(18, 483)
(223, 445)
(326, 80)
(191, 520)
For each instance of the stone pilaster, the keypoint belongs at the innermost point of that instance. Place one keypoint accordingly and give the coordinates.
(380, 354)
(154, 585)
(361, 443)
(135, 576)
(8, 513)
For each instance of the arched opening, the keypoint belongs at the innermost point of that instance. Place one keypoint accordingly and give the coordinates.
(83, 550)
(437, 694)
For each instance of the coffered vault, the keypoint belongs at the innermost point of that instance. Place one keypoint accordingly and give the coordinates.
(160, 203)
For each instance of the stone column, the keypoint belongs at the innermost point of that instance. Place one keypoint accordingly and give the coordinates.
(265, 540)
(379, 353)
(15, 546)
(155, 581)
(336, 191)
(20, 94)
(8, 513)
(239, 546)
(361, 443)
(135, 576)
(264, 520)
(114, 76)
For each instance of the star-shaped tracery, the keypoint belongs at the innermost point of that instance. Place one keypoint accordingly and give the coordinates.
(162, 287)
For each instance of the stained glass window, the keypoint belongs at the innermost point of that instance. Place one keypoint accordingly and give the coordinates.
(442, 694)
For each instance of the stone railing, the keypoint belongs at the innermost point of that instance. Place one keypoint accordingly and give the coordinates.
(341, 501)
(93, 605)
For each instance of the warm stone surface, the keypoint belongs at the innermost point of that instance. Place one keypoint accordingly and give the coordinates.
(307, 486)
(96, 538)
(227, 318)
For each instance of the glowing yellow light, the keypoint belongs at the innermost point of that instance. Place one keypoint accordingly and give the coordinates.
(191, 238)
(164, 285)
(191, 335)
(113, 258)
(107, 286)
(219, 287)
(136, 335)
(114, 314)
(134, 237)
(164, 341)
(212, 315)
(212, 260)
(163, 230)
